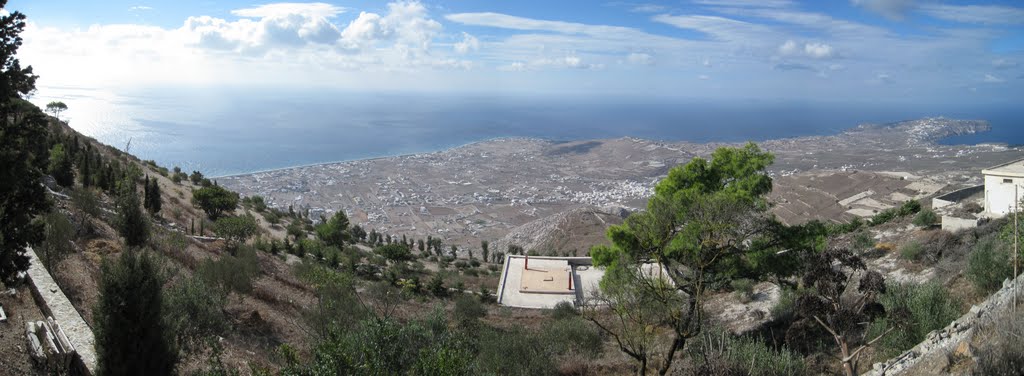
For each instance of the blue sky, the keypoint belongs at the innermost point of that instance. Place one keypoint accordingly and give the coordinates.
(863, 50)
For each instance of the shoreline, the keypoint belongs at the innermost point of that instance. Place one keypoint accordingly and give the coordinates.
(938, 141)
(379, 157)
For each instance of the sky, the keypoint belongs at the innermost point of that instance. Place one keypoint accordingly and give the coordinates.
(836, 50)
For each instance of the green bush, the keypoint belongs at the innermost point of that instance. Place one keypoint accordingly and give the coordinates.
(911, 251)
(194, 311)
(572, 335)
(914, 311)
(512, 352)
(231, 273)
(719, 353)
(468, 310)
(744, 289)
(59, 232)
(785, 308)
(926, 218)
(863, 240)
(989, 264)
(564, 310)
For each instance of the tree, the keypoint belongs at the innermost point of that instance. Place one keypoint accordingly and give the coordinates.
(701, 222)
(59, 235)
(131, 336)
(236, 230)
(60, 166)
(395, 252)
(215, 200)
(335, 230)
(358, 234)
(85, 169)
(152, 196)
(196, 177)
(131, 222)
(484, 251)
(420, 245)
(832, 302)
(55, 108)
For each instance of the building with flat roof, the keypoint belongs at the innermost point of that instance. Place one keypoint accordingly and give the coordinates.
(1003, 186)
(542, 282)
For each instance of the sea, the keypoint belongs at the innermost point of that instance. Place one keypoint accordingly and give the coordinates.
(227, 131)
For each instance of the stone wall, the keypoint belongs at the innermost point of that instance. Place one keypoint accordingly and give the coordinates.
(52, 301)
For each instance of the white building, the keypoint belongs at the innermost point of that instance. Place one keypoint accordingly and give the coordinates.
(1004, 185)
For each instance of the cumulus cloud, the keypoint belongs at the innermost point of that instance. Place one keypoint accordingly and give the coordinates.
(810, 49)
(640, 58)
(468, 44)
(893, 9)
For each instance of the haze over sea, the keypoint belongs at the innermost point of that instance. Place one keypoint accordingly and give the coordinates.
(233, 131)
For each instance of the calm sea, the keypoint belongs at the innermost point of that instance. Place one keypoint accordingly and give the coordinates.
(232, 131)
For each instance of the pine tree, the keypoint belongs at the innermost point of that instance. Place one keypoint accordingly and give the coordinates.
(131, 335)
(153, 203)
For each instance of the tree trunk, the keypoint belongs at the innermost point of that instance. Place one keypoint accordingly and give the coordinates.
(847, 362)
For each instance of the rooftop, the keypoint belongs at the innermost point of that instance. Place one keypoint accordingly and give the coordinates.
(1014, 169)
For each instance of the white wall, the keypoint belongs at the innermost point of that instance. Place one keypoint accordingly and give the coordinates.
(999, 196)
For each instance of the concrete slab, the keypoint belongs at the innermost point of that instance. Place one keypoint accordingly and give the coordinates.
(546, 282)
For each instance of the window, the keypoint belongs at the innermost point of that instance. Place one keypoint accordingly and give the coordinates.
(1008, 181)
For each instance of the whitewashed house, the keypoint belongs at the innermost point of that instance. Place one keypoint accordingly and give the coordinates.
(1004, 186)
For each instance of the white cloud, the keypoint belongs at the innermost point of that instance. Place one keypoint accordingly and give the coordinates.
(993, 79)
(706, 63)
(818, 50)
(640, 58)
(140, 7)
(978, 14)
(811, 49)
(704, 77)
(893, 9)
(468, 44)
(720, 28)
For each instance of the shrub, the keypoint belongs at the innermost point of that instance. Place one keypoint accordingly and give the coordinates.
(719, 353)
(914, 311)
(461, 264)
(572, 336)
(744, 289)
(989, 264)
(926, 218)
(231, 273)
(512, 352)
(194, 311)
(863, 240)
(911, 250)
(436, 285)
(785, 308)
(1002, 352)
(215, 200)
(468, 310)
(564, 310)
(57, 245)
